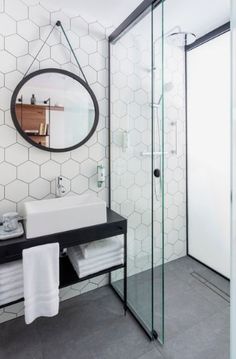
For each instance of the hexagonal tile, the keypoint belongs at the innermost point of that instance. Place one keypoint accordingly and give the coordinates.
(38, 156)
(173, 212)
(127, 208)
(12, 79)
(7, 24)
(28, 30)
(61, 16)
(82, 57)
(28, 172)
(134, 220)
(60, 157)
(39, 15)
(91, 74)
(79, 184)
(23, 63)
(97, 152)
(8, 62)
(88, 44)
(7, 134)
(88, 168)
(1, 155)
(39, 189)
(79, 26)
(97, 62)
(55, 37)
(120, 109)
(1, 192)
(134, 166)
(60, 54)
(70, 169)
(97, 30)
(80, 154)
(50, 170)
(16, 45)
(120, 195)
(16, 9)
(99, 91)
(16, 154)
(8, 173)
(35, 46)
(7, 206)
(16, 191)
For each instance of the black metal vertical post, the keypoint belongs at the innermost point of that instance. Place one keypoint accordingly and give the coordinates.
(125, 272)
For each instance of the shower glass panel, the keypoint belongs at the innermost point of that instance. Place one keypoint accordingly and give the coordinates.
(135, 152)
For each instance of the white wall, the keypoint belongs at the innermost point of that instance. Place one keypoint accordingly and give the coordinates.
(27, 173)
(209, 153)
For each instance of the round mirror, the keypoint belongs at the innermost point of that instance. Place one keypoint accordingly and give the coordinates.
(54, 110)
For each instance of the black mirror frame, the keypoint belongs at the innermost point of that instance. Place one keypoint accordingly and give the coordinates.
(66, 73)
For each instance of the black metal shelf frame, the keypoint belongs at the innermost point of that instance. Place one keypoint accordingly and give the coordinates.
(11, 250)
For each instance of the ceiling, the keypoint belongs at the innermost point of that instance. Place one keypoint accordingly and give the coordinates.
(198, 16)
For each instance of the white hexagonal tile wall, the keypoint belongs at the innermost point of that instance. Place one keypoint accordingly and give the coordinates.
(50, 170)
(7, 134)
(79, 184)
(7, 25)
(39, 15)
(8, 173)
(88, 44)
(16, 154)
(60, 54)
(70, 169)
(38, 156)
(16, 191)
(28, 172)
(39, 189)
(16, 45)
(8, 62)
(16, 9)
(79, 26)
(28, 30)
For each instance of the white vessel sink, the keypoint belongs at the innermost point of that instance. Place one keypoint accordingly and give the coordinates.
(63, 214)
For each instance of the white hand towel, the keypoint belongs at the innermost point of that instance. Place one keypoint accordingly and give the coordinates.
(96, 248)
(41, 281)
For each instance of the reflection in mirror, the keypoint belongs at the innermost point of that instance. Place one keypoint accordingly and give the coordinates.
(55, 110)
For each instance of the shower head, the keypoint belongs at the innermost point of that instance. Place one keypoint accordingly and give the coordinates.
(181, 38)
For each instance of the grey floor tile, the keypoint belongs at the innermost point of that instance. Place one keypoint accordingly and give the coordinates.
(207, 340)
(19, 341)
(153, 354)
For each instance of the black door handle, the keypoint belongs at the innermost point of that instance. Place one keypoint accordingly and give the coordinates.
(157, 173)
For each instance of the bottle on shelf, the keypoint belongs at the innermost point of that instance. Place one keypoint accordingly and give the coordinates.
(33, 100)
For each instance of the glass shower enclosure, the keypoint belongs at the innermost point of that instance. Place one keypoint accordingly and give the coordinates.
(137, 159)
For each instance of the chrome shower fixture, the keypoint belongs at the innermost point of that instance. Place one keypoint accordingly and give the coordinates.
(181, 38)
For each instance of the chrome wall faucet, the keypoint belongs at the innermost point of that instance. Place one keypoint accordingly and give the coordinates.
(60, 188)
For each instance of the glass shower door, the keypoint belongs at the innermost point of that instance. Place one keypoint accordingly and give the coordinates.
(133, 136)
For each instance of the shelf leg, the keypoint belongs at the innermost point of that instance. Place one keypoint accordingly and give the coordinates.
(125, 273)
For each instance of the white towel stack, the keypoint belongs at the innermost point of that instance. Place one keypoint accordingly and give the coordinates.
(96, 256)
(11, 282)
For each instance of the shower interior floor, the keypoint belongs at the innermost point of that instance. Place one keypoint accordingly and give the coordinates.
(93, 325)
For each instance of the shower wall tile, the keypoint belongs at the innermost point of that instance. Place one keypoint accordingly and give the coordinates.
(27, 173)
(131, 171)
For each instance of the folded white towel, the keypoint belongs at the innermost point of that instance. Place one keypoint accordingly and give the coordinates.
(85, 267)
(11, 286)
(11, 268)
(41, 281)
(12, 298)
(96, 248)
(87, 271)
(11, 280)
(83, 262)
(12, 292)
